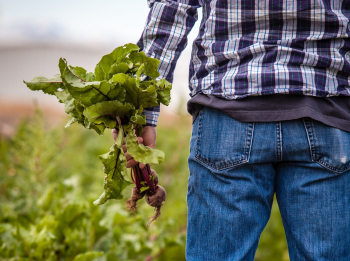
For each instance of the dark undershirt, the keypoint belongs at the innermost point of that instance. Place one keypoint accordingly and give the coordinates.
(332, 111)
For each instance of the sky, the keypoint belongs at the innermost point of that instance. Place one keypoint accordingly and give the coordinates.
(77, 21)
(83, 22)
(91, 24)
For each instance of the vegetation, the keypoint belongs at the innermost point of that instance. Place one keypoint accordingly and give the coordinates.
(49, 179)
(114, 96)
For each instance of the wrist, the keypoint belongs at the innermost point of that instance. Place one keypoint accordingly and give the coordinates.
(149, 135)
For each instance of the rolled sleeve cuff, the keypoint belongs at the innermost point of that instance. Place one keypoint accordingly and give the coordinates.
(152, 114)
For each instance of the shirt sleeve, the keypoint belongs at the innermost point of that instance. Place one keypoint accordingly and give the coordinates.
(165, 37)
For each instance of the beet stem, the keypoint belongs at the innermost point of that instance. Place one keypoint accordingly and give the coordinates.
(139, 178)
(146, 178)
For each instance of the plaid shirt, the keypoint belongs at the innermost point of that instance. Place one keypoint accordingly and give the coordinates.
(253, 47)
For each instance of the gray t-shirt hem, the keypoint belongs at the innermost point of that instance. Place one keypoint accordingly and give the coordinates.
(332, 111)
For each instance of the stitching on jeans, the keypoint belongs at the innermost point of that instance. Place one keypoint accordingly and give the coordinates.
(199, 130)
(315, 156)
(330, 167)
(280, 141)
(223, 165)
(279, 138)
(314, 138)
(211, 166)
(251, 136)
(308, 139)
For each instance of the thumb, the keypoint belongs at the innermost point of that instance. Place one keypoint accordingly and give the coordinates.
(114, 133)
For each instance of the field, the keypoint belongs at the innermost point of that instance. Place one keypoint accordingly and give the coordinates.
(49, 177)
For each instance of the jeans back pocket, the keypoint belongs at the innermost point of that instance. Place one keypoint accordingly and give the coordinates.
(329, 146)
(222, 141)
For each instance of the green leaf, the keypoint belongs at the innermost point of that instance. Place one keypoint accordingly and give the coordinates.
(138, 119)
(71, 121)
(144, 189)
(119, 141)
(99, 73)
(140, 152)
(139, 73)
(88, 256)
(113, 162)
(87, 93)
(103, 68)
(163, 91)
(49, 86)
(139, 97)
(113, 189)
(118, 68)
(117, 93)
(119, 78)
(106, 112)
(81, 73)
(71, 106)
(99, 128)
(151, 64)
(115, 168)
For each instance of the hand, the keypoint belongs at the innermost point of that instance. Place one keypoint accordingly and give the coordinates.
(148, 138)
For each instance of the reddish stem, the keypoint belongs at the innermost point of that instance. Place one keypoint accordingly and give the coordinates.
(146, 176)
(139, 175)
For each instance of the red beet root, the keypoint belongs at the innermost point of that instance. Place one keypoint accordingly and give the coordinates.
(156, 200)
(135, 196)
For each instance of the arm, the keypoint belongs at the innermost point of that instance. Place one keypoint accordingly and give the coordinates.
(165, 37)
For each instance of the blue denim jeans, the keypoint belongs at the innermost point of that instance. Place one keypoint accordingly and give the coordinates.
(235, 169)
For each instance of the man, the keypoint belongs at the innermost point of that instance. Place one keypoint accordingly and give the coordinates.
(269, 84)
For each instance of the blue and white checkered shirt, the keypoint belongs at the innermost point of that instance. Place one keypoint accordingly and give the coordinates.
(253, 47)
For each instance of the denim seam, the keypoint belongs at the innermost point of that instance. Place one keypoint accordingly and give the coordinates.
(330, 167)
(279, 142)
(309, 138)
(212, 166)
(244, 158)
(315, 156)
(249, 139)
(199, 130)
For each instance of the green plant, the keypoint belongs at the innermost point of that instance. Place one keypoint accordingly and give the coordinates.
(47, 210)
(114, 96)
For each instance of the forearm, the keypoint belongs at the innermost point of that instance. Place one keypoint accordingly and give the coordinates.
(165, 37)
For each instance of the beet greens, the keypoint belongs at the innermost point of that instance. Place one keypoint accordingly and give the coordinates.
(123, 84)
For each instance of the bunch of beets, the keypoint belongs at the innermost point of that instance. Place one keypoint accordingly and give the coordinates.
(123, 84)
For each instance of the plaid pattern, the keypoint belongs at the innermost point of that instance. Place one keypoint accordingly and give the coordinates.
(254, 47)
(152, 115)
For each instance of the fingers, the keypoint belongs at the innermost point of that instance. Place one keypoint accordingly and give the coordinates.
(149, 135)
(141, 165)
(130, 160)
(124, 146)
(114, 134)
(131, 163)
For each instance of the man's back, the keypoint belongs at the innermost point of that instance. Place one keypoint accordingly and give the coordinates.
(254, 47)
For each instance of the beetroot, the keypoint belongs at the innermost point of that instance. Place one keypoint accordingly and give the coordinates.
(135, 196)
(156, 200)
(146, 183)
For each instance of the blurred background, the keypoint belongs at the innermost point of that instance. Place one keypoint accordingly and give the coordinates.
(50, 175)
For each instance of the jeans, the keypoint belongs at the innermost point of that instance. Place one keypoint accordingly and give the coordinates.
(235, 170)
